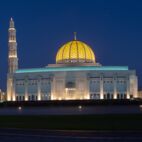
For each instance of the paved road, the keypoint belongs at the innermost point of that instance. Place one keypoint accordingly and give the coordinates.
(19, 135)
(68, 110)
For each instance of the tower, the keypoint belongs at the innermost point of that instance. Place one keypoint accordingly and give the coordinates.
(12, 60)
(12, 55)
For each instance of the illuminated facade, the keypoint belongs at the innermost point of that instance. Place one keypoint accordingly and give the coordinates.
(75, 76)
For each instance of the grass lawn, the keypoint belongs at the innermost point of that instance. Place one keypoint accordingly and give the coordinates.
(74, 122)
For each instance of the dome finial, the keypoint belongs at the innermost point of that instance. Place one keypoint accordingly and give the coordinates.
(75, 33)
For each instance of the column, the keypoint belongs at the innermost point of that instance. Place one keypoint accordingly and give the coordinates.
(53, 88)
(135, 87)
(9, 88)
(13, 90)
(39, 89)
(101, 87)
(115, 87)
(128, 87)
(26, 89)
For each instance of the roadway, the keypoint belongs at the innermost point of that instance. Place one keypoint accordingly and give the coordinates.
(21, 135)
(72, 110)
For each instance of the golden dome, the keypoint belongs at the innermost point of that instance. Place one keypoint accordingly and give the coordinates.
(75, 52)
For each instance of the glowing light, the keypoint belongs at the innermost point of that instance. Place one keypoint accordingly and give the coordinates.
(70, 89)
(39, 98)
(12, 40)
(60, 99)
(115, 96)
(11, 28)
(12, 56)
(26, 98)
(13, 99)
(87, 97)
(128, 96)
(8, 98)
(52, 98)
(80, 107)
(101, 97)
(19, 108)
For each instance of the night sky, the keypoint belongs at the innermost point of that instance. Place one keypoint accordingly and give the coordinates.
(113, 28)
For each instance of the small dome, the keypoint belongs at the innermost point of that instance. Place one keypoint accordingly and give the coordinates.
(75, 52)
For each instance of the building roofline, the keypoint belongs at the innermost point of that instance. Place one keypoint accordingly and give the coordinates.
(76, 68)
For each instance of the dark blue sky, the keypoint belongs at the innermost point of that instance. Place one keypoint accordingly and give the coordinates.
(113, 28)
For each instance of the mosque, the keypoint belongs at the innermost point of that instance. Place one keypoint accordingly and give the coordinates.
(75, 76)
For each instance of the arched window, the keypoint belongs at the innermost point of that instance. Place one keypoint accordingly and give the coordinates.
(20, 98)
(105, 96)
(108, 96)
(33, 97)
(117, 96)
(23, 98)
(16, 98)
(29, 98)
(36, 98)
(125, 96)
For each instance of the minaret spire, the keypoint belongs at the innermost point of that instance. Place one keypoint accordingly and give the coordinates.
(11, 23)
(12, 43)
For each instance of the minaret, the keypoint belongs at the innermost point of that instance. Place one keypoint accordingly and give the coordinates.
(12, 61)
(12, 44)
